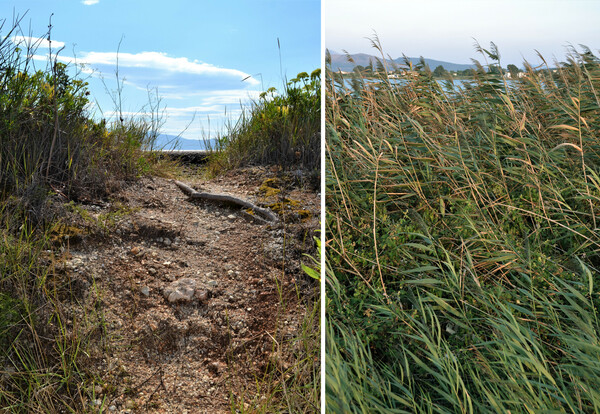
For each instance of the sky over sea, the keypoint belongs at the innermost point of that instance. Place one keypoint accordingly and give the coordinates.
(202, 59)
(447, 30)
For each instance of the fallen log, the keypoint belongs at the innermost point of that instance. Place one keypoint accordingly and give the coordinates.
(227, 199)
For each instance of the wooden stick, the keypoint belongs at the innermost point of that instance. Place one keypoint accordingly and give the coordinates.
(223, 198)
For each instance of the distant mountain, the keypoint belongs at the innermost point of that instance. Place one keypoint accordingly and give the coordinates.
(340, 62)
(169, 142)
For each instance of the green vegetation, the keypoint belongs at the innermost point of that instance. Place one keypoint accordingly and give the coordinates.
(463, 243)
(51, 151)
(277, 129)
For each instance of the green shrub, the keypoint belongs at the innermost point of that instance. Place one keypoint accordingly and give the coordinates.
(49, 140)
(277, 129)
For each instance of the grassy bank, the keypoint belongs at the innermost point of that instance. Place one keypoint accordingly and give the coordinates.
(282, 130)
(52, 152)
(463, 243)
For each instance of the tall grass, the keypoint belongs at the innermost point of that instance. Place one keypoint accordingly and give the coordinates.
(280, 129)
(51, 151)
(463, 241)
(47, 136)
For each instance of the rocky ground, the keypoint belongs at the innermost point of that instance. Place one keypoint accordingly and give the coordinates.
(184, 306)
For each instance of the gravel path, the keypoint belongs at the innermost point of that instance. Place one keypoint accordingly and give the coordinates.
(181, 303)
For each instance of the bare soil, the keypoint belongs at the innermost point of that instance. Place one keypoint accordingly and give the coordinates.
(250, 295)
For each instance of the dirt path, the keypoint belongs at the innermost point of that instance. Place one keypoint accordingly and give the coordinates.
(158, 350)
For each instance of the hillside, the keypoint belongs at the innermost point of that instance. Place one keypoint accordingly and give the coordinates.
(340, 62)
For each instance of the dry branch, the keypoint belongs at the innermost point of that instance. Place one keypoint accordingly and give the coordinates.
(227, 199)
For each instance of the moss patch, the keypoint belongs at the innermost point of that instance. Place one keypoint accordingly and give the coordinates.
(270, 188)
(286, 205)
(63, 232)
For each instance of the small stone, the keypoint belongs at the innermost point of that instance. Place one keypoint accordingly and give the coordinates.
(112, 408)
(152, 271)
(202, 295)
(214, 367)
(230, 272)
(167, 241)
(135, 250)
(98, 390)
(212, 283)
(181, 290)
(231, 217)
(145, 291)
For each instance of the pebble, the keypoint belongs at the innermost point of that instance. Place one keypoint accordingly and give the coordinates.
(112, 408)
(231, 217)
(181, 290)
(167, 241)
(145, 291)
(212, 283)
(202, 295)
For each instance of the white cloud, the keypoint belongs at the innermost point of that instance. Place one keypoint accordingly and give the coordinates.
(38, 42)
(209, 95)
(89, 2)
(163, 62)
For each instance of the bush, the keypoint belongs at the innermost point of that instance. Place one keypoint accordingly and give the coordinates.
(48, 141)
(277, 129)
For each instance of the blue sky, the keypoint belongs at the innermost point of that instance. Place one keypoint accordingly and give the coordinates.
(444, 30)
(195, 53)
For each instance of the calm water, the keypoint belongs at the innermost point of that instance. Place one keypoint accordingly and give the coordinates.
(458, 83)
(167, 142)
